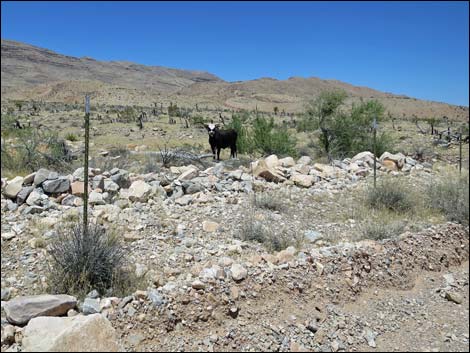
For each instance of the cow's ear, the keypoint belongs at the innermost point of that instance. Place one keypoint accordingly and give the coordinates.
(217, 126)
(206, 126)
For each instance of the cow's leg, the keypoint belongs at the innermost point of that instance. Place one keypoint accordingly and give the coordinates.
(213, 152)
(218, 153)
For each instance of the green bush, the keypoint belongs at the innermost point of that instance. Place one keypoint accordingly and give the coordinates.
(345, 133)
(390, 194)
(450, 195)
(271, 139)
(244, 139)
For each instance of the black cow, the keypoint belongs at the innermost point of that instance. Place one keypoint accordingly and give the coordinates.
(219, 139)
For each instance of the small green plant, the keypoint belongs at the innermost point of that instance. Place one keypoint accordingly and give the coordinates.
(71, 137)
(389, 194)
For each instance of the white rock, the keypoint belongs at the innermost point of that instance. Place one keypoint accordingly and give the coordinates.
(13, 187)
(92, 333)
(238, 272)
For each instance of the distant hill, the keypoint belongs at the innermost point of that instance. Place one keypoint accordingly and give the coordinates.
(29, 72)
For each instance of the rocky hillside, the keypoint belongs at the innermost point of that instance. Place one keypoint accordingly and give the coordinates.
(29, 72)
(25, 65)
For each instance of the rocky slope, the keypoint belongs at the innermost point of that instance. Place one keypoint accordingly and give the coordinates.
(32, 73)
(25, 65)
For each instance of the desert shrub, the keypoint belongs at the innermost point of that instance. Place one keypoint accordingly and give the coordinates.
(128, 115)
(34, 149)
(389, 194)
(268, 201)
(150, 163)
(450, 195)
(271, 237)
(378, 229)
(82, 261)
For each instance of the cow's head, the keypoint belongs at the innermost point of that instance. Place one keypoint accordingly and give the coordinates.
(211, 129)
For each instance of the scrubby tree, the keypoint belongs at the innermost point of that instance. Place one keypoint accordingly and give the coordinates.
(344, 132)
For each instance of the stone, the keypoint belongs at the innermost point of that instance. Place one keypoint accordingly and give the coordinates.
(41, 176)
(390, 165)
(29, 179)
(184, 200)
(188, 174)
(197, 284)
(155, 298)
(286, 255)
(34, 198)
(301, 168)
(313, 236)
(8, 335)
(370, 335)
(96, 198)
(22, 309)
(78, 188)
(8, 236)
(209, 226)
(306, 160)
(454, 297)
(121, 178)
(69, 200)
(366, 156)
(56, 186)
(225, 262)
(272, 161)
(110, 186)
(23, 194)
(398, 159)
(287, 162)
(238, 272)
(139, 191)
(269, 174)
(13, 187)
(98, 182)
(92, 333)
(327, 171)
(295, 347)
(91, 306)
(303, 180)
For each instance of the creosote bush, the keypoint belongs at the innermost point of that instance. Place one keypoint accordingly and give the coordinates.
(82, 261)
(390, 194)
(378, 229)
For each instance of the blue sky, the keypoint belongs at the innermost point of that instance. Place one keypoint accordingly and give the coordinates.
(415, 48)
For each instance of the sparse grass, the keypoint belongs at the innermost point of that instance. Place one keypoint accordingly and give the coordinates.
(450, 195)
(81, 262)
(270, 201)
